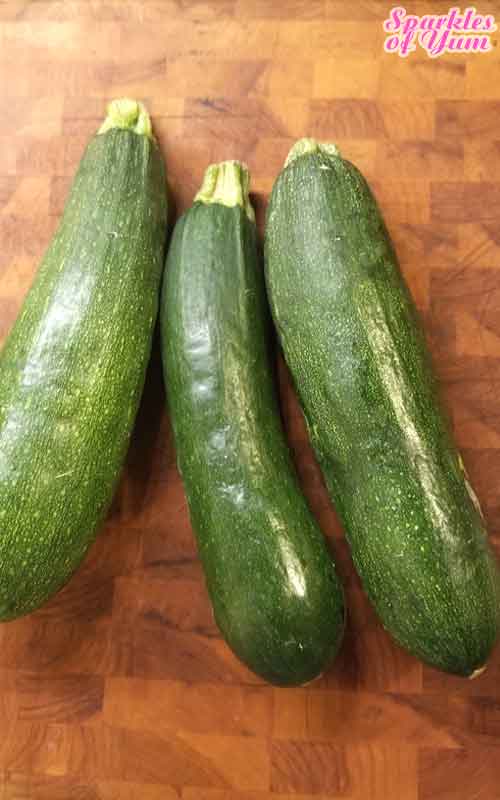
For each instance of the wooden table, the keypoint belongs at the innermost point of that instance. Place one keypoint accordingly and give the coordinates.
(121, 688)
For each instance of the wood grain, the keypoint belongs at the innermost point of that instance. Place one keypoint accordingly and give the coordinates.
(121, 688)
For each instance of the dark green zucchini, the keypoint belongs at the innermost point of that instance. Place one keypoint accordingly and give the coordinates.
(73, 366)
(272, 583)
(351, 337)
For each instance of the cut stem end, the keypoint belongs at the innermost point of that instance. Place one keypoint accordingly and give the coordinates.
(305, 146)
(227, 183)
(128, 115)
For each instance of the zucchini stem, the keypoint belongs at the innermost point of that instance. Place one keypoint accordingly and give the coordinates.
(129, 115)
(227, 183)
(304, 146)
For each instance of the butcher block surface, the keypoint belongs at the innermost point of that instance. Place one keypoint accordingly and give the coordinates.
(121, 688)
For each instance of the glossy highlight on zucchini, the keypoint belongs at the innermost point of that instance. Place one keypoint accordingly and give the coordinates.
(357, 354)
(275, 594)
(73, 366)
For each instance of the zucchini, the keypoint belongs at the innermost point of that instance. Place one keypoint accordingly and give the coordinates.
(272, 583)
(73, 366)
(357, 354)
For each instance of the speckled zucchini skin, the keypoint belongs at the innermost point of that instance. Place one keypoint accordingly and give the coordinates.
(351, 337)
(274, 590)
(72, 369)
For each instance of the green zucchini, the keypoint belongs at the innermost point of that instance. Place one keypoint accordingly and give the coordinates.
(73, 366)
(272, 583)
(352, 340)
